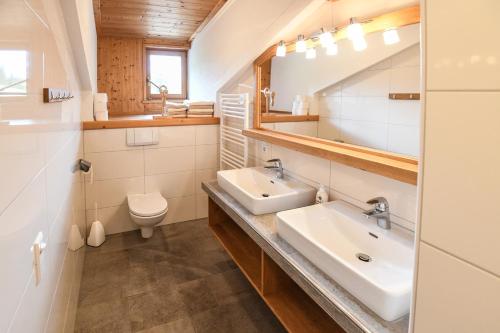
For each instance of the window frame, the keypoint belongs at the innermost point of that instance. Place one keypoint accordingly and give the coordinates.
(148, 50)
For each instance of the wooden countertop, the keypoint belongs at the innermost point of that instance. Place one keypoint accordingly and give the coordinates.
(147, 121)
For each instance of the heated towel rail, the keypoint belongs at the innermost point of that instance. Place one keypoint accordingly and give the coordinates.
(234, 118)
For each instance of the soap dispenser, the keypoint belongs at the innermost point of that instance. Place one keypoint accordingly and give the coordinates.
(321, 195)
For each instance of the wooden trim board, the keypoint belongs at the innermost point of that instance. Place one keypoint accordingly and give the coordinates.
(286, 118)
(123, 122)
(399, 167)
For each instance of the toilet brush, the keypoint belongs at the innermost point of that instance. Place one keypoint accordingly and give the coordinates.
(97, 235)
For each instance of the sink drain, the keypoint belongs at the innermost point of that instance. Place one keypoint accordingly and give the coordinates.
(364, 257)
(265, 195)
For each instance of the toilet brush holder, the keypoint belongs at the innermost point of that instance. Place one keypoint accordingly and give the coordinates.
(97, 235)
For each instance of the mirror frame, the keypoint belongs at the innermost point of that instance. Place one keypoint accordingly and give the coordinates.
(392, 165)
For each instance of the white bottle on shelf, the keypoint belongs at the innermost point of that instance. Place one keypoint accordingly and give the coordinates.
(321, 195)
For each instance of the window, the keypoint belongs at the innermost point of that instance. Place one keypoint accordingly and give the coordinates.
(166, 67)
(13, 72)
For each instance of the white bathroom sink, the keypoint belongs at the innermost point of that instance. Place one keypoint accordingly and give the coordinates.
(334, 235)
(259, 191)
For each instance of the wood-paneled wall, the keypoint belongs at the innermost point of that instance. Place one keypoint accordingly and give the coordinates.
(120, 73)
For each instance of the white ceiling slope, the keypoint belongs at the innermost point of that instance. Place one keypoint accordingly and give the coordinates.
(235, 37)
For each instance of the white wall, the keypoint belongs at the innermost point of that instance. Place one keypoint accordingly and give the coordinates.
(79, 18)
(458, 280)
(235, 37)
(39, 146)
(358, 110)
(184, 157)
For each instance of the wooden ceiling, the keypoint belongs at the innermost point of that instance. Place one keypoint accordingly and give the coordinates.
(166, 19)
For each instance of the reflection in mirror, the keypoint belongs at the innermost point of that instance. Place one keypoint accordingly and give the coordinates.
(13, 72)
(349, 93)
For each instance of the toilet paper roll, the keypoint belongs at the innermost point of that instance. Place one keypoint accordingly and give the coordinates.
(101, 97)
(101, 116)
(100, 106)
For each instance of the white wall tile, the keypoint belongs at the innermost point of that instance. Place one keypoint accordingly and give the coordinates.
(117, 164)
(306, 166)
(462, 56)
(166, 160)
(22, 158)
(364, 133)
(97, 141)
(404, 140)
(207, 134)
(204, 175)
(405, 113)
(460, 186)
(176, 136)
(364, 186)
(373, 109)
(330, 106)
(454, 296)
(207, 156)
(115, 219)
(201, 206)
(330, 128)
(181, 209)
(176, 184)
(112, 192)
(309, 128)
(19, 229)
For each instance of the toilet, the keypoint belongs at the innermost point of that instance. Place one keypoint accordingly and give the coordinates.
(147, 210)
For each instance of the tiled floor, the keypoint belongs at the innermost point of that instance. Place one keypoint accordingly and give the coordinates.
(180, 280)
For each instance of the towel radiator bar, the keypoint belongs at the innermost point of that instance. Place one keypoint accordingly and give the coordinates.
(234, 118)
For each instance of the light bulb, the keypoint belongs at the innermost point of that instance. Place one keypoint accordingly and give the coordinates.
(354, 30)
(332, 49)
(326, 38)
(300, 45)
(391, 36)
(359, 44)
(311, 53)
(281, 49)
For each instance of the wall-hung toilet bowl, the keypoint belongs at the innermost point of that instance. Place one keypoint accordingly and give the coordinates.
(147, 210)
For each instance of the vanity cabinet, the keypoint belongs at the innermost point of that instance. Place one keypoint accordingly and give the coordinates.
(292, 306)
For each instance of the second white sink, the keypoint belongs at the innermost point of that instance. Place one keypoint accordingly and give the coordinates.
(373, 264)
(259, 191)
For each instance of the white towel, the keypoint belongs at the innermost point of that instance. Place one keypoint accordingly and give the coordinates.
(203, 103)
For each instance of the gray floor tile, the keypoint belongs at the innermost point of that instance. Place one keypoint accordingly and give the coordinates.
(178, 326)
(155, 308)
(180, 280)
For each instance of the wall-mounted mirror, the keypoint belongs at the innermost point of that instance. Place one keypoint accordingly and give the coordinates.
(361, 97)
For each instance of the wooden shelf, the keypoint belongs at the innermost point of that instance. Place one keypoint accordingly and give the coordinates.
(291, 305)
(148, 121)
(405, 96)
(242, 249)
(286, 118)
(399, 167)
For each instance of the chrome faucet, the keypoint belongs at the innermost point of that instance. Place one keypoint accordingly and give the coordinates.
(269, 96)
(380, 211)
(277, 165)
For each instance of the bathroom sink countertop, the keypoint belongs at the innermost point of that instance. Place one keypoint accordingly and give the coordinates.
(346, 310)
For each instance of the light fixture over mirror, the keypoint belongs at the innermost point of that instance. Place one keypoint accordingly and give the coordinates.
(281, 49)
(300, 45)
(326, 38)
(391, 36)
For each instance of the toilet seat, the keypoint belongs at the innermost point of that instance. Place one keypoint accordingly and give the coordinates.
(147, 205)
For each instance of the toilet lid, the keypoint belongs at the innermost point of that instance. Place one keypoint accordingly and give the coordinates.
(146, 205)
